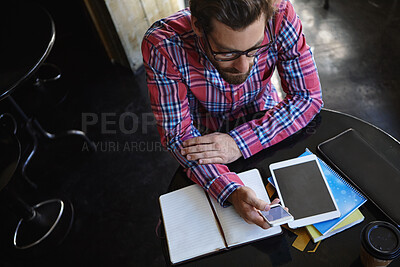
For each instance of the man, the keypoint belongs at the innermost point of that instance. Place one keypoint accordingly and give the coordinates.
(212, 63)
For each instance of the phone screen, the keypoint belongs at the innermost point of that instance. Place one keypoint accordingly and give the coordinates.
(275, 213)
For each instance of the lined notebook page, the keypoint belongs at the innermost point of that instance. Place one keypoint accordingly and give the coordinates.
(236, 230)
(190, 225)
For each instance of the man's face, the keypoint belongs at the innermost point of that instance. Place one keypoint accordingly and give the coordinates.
(225, 39)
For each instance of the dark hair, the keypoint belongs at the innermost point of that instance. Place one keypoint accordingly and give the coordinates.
(237, 14)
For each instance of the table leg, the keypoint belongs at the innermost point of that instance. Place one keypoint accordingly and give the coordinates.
(34, 128)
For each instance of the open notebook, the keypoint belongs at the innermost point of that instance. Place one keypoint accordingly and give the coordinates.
(196, 225)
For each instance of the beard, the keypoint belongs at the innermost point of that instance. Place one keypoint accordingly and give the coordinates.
(233, 76)
(230, 75)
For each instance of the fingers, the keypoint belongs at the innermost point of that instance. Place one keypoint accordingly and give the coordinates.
(198, 148)
(247, 205)
(257, 203)
(211, 148)
(202, 155)
(275, 201)
(259, 220)
(205, 139)
(254, 217)
(207, 153)
(207, 157)
(216, 160)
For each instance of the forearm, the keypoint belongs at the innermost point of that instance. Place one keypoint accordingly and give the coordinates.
(278, 123)
(216, 179)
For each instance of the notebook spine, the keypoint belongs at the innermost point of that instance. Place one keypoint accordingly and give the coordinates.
(343, 180)
(221, 230)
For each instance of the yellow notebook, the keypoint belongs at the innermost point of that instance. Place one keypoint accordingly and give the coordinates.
(354, 218)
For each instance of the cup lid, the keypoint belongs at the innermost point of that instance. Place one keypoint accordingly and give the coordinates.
(381, 240)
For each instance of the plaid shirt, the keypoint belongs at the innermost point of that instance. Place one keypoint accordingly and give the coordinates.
(187, 92)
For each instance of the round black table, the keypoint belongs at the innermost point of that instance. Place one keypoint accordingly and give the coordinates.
(29, 34)
(339, 250)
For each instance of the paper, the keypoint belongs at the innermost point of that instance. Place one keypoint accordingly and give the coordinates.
(236, 230)
(191, 230)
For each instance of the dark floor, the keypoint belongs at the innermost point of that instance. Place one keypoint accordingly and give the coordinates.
(115, 190)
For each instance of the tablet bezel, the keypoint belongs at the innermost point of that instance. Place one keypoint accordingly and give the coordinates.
(311, 219)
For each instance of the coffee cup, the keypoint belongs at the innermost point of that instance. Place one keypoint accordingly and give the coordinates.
(380, 244)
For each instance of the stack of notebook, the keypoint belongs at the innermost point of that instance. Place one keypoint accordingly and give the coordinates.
(348, 200)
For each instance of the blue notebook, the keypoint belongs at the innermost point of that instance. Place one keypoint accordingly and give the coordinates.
(347, 197)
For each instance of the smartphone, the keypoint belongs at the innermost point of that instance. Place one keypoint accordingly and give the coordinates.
(277, 215)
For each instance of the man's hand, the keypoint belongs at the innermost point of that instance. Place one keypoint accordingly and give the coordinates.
(215, 148)
(246, 204)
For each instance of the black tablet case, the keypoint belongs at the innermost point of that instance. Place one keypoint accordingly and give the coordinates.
(366, 169)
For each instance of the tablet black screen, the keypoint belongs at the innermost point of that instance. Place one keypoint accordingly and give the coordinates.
(303, 190)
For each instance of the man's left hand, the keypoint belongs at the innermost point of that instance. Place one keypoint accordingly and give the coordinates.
(215, 148)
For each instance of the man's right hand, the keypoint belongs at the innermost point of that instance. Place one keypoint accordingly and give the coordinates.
(246, 204)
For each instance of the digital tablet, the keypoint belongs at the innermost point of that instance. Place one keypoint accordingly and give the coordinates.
(302, 187)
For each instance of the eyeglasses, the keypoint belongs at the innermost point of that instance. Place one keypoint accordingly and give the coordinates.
(232, 55)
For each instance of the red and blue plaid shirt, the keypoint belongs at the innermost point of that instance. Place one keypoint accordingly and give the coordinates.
(187, 92)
